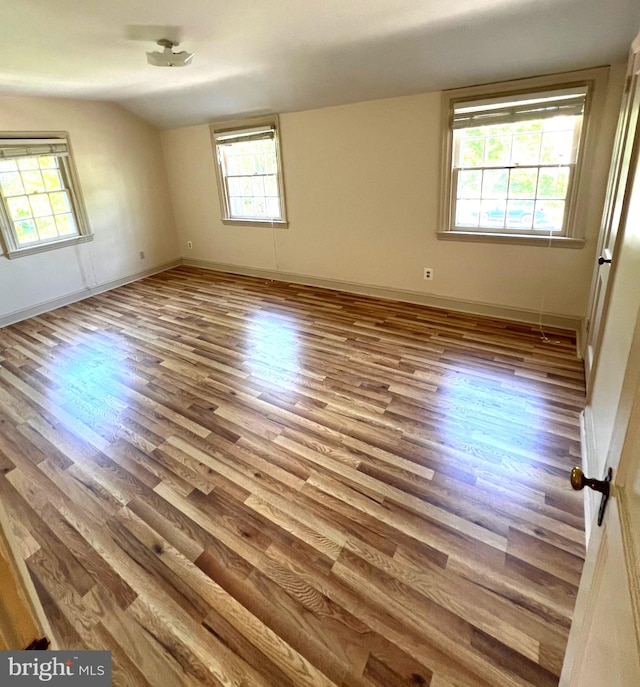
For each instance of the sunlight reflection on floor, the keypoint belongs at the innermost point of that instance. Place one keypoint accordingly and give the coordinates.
(273, 350)
(90, 383)
(497, 417)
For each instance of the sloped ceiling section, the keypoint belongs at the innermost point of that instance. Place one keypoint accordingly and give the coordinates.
(257, 56)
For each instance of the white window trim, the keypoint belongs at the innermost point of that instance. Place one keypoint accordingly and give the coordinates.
(578, 194)
(9, 243)
(254, 123)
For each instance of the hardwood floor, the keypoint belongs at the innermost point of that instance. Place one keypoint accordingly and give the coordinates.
(228, 481)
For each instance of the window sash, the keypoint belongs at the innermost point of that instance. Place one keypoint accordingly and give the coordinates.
(10, 223)
(562, 231)
(229, 196)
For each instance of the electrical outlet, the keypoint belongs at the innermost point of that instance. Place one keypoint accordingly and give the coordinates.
(428, 273)
(189, 245)
(141, 255)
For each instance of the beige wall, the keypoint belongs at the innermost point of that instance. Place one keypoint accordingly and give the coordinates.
(123, 181)
(362, 187)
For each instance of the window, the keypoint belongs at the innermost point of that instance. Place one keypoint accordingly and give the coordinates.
(249, 172)
(40, 206)
(513, 163)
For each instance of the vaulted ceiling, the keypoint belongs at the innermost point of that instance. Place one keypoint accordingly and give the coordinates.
(258, 56)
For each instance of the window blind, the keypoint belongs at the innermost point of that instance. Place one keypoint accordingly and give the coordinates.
(509, 109)
(260, 133)
(20, 147)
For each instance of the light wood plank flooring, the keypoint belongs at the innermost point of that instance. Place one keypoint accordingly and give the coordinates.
(234, 482)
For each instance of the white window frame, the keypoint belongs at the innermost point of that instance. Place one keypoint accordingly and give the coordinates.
(57, 143)
(572, 234)
(256, 126)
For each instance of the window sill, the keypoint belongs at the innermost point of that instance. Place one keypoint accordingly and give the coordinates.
(44, 247)
(255, 222)
(519, 239)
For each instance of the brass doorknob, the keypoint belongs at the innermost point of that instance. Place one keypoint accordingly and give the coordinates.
(579, 481)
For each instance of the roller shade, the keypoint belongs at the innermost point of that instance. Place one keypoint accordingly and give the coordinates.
(509, 109)
(260, 133)
(20, 147)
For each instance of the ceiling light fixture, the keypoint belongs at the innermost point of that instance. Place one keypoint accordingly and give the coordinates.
(168, 58)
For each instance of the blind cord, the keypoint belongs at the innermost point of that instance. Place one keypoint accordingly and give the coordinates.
(543, 335)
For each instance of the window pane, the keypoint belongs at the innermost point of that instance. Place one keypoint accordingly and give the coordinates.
(232, 163)
(557, 147)
(46, 228)
(48, 162)
(492, 214)
(273, 208)
(498, 151)
(469, 184)
(549, 215)
(526, 149)
(236, 207)
(272, 163)
(520, 214)
(553, 183)
(33, 182)
(28, 163)
(8, 166)
(26, 231)
(245, 186)
(532, 125)
(60, 202)
(271, 186)
(498, 129)
(262, 163)
(522, 183)
(234, 186)
(52, 179)
(247, 207)
(495, 183)
(11, 184)
(260, 207)
(257, 186)
(19, 208)
(471, 152)
(247, 164)
(40, 205)
(65, 224)
(563, 123)
(467, 213)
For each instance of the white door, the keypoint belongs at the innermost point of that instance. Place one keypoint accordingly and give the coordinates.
(604, 643)
(615, 203)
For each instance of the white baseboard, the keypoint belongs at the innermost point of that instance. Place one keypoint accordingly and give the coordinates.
(46, 306)
(589, 467)
(442, 302)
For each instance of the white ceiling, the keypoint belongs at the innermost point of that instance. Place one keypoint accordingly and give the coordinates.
(257, 56)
